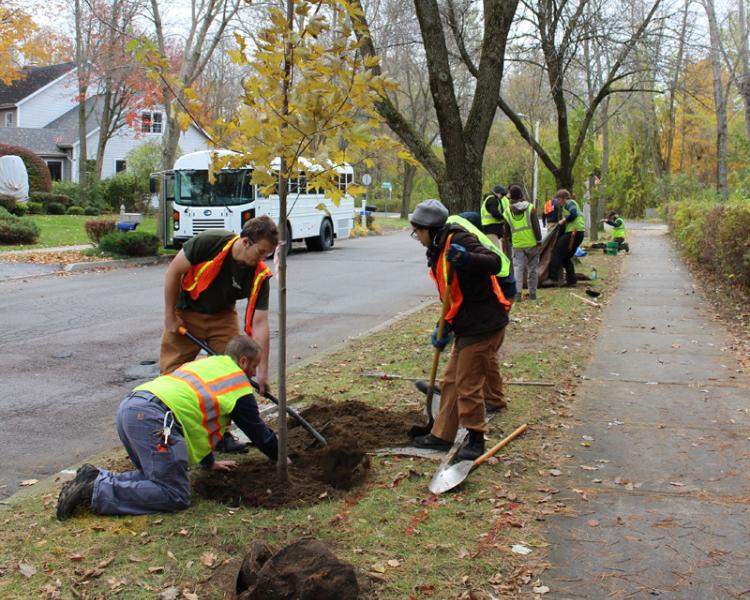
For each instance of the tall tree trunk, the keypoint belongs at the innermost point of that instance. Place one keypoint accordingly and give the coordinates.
(461, 188)
(602, 199)
(82, 77)
(410, 172)
(744, 31)
(104, 127)
(671, 116)
(720, 100)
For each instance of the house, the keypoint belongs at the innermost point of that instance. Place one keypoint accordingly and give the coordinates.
(39, 112)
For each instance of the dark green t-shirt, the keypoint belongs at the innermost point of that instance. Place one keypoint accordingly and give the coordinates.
(231, 284)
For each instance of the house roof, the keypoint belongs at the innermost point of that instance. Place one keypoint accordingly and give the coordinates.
(34, 79)
(44, 142)
(68, 122)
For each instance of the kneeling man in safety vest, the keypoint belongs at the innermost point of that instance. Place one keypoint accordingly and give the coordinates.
(168, 423)
(617, 224)
(477, 316)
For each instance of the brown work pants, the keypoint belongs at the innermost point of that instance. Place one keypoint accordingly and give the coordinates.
(472, 378)
(216, 330)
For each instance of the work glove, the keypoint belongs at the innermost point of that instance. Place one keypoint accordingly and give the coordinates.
(509, 286)
(441, 343)
(458, 255)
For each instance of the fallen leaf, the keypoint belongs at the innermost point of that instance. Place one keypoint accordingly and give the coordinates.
(542, 589)
(189, 595)
(208, 559)
(171, 555)
(183, 532)
(27, 482)
(589, 468)
(555, 472)
(520, 549)
(677, 483)
(156, 569)
(76, 557)
(26, 569)
(592, 523)
(105, 563)
(134, 559)
(394, 563)
(171, 593)
(378, 568)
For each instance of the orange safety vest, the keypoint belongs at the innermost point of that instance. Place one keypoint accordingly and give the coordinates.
(456, 295)
(200, 276)
(548, 207)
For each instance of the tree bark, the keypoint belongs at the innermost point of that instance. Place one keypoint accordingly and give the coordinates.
(671, 115)
(409, 174)
(720, 100)
(744, 31)
(82, 75)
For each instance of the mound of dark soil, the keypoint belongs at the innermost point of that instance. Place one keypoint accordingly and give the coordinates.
(304, 570)
(354, 428)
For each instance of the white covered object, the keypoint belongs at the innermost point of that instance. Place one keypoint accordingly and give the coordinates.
(14, 180)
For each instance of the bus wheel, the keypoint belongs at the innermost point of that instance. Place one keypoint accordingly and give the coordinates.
(324, 241)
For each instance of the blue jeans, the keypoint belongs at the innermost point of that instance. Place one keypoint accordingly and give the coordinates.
(160, 483)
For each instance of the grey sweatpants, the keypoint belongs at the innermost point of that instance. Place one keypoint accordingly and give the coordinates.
(526, 258)
(161, 482)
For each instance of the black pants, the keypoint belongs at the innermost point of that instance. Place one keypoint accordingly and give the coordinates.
(563, 256)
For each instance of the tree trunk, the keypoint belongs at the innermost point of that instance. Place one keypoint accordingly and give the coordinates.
(461, 189)
(410, 172)
(602, 200)
(104, 128)
(673, 90)
(744, 30)
(81, 75)
(719, 100)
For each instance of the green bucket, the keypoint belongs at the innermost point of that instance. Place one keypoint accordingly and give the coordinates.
(612, 248)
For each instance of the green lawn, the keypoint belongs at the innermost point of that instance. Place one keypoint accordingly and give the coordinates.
(68, 230)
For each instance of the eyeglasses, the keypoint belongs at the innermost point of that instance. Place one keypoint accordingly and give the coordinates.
(413, 234)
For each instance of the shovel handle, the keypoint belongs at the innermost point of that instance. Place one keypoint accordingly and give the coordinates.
(441, 329)
(491, 452)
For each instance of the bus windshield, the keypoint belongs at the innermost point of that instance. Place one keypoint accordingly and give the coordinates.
(230, 188)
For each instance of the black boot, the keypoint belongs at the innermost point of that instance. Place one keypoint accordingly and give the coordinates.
(474, 448)
(77, 492)
(431, 442)
(229, 445)
(424, 387)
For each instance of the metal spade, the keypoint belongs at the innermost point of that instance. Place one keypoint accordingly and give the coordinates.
(452, 476)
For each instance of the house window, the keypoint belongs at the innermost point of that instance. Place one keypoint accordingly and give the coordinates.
(55, 169)
(10, 119)
(151, 122)
(120, 166)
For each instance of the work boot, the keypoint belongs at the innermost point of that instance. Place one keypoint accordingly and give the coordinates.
(493, 409)
(420, 430)
(431, 442)
(77, 492)
(424, 387)
(518, 297)
(474, 448)
(229, 445)
(532, 295)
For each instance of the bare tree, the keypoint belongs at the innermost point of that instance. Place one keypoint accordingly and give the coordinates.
(674, 79)
(83, 29)
(720, 98)
(459, 174)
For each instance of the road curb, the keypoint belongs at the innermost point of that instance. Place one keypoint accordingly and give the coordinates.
(124, 263)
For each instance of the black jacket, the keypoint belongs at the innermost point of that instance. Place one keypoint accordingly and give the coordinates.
(481, 311)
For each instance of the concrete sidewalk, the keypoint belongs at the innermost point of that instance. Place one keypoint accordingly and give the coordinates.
(662, 507)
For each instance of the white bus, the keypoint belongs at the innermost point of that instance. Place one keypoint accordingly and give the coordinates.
(192, 204)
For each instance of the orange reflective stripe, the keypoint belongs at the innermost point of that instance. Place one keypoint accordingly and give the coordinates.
(200, 276)
(229, 383)
(207, 402)
(262, 272)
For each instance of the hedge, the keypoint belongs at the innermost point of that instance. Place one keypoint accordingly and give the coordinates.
(55, 208)
(132, 243)
(714, 235)
(39, 177)
(14, 230)
(46, 198)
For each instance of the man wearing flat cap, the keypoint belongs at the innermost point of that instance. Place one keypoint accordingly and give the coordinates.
(476, 318)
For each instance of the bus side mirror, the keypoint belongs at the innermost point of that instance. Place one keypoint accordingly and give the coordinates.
(153, 185)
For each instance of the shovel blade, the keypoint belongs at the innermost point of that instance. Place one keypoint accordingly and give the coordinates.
(450, 477)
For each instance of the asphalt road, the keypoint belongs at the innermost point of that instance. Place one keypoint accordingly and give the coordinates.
(69, 343)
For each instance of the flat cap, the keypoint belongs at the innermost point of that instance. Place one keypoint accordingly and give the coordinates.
(429, 213)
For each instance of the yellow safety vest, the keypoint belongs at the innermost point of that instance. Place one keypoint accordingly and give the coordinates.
(579, 223)
(487, 217)
(484, 240)
(521, 228)
(201, 395)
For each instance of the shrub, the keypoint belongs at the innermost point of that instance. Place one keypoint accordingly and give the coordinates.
(133, 243)
(17, 231)
(8, 202)
(4, 213)
(21, 209)
(39, 177)
(97, 228)
(47, 198)
(34, 208)
(55, 208)
(714, 235)
(91, 196)
(91, 211)
(126, 188)
(71, 189)
(75, 210)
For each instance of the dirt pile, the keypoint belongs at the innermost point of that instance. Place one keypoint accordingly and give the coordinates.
(304, 570)
(316, 473)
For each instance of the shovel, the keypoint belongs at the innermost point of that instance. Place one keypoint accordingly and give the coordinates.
(290, 411)
(452, 476)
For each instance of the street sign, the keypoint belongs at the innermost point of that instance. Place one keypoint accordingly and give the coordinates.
(366, 179)
(386, 185)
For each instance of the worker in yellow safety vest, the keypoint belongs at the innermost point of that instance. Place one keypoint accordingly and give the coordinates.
(169, 423)
(573, 228)
(212, 271)
(617, 223)
(526, 236)
(492, 214)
